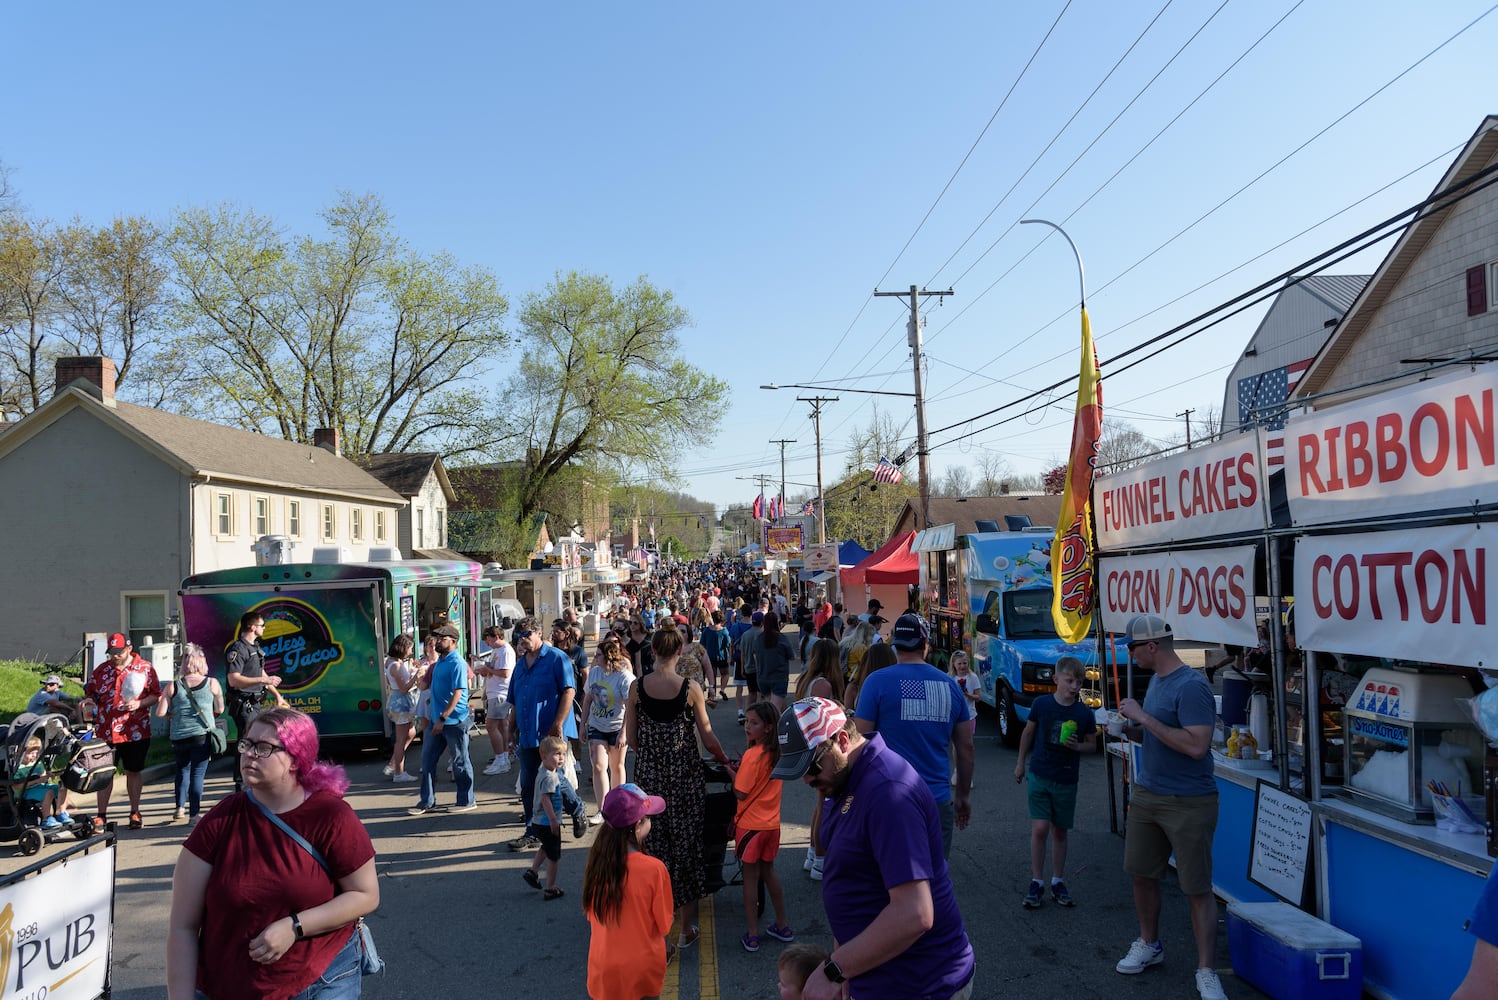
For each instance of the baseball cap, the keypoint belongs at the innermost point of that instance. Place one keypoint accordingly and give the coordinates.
(910, 632)
(626, 805)
(51, 679)
(1146, 628)
(803, 727)
(446, 631)
(875, 605)
(118, 642)
(757, 618)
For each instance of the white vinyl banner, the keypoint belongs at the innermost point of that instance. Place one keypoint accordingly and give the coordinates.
(1198, 493)
(1419, 594)
(1427, 447)
(55, 930)
(1205, 594)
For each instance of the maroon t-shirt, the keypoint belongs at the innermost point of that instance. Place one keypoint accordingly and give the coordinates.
(260, 875)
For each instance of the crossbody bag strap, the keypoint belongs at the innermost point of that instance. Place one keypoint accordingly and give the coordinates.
(198, 709)
(302, 841)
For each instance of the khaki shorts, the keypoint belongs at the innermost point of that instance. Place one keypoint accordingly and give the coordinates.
(1159, 825)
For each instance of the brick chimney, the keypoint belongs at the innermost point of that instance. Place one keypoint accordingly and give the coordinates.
(95, 372)
(327, 439)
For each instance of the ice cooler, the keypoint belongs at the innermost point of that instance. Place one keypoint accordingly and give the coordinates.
(1291, 955)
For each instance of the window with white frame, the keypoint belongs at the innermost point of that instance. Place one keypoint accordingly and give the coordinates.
(420, 541)
(145, 616)
(356, 523)
(261, 506)
(294, 518)
(223, 514)
(441, 528)
(379, 525)
(329, 525)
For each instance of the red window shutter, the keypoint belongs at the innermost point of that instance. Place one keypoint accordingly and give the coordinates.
(1477, 290)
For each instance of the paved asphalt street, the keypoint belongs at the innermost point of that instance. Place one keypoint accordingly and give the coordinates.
(456, 920)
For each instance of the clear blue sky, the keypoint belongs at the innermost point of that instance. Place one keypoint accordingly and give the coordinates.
(768, 163)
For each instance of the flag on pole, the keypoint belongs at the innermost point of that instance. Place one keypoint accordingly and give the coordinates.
(810, 507)
(885, 472)
(759, 507)
(779, 507)
(1074, 585)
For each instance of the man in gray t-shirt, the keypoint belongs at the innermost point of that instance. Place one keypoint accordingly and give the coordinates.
(1173, 807)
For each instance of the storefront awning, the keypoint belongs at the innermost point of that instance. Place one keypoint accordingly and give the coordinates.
(813, 576)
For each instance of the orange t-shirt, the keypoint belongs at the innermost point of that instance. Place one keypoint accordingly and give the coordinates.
(761, 810)
(627, 957)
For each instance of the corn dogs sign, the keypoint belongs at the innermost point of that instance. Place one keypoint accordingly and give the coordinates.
(55, 931)
(1205, 594)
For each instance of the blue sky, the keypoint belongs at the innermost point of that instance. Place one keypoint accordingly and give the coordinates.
(767, 165)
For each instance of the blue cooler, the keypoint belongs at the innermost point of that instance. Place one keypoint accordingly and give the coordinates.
(1291, 955)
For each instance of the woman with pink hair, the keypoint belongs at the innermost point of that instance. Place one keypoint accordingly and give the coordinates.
(254, 913)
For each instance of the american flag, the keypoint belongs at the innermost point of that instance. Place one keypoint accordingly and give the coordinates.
(885, 472)
(809, 507)
(1258, 397)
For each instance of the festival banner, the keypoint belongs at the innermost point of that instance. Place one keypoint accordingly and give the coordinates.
(1203, 594)
(1199, 493)
(1414, 594)
(1075, 592)
(55, 930)
(1429, 446)
(780, 541)
(821, 557)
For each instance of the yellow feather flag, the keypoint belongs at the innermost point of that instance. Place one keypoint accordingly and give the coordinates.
(1074, 586)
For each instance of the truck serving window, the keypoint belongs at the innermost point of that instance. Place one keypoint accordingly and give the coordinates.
(1027, 613)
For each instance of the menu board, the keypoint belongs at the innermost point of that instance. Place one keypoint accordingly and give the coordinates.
(1281, 851)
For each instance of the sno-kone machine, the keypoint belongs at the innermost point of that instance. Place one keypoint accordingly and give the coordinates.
(1404, 729)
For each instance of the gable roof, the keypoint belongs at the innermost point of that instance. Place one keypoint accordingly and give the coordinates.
(965, 512)
(202, 448)
(406, 472)
(1410, 245)
(1339, 291)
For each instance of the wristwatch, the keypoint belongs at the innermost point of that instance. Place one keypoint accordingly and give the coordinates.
(832, 972)
(296, 926)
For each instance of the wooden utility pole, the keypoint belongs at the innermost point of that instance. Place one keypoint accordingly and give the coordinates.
(913, 337)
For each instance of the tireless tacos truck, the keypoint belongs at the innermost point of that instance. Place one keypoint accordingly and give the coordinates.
(328, 626)
(989, 594)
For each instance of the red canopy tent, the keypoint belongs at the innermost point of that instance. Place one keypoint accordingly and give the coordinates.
(885, 574)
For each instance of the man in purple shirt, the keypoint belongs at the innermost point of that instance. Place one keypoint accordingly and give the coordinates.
(897, 932)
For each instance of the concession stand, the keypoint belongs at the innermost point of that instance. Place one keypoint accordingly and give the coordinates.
(1366, 804)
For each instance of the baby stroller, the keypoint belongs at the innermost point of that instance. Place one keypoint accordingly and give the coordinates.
(21, 817)
(718, 809)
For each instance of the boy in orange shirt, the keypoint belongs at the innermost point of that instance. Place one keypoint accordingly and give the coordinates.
(757, 823)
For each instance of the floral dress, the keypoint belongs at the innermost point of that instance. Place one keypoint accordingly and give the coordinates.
(669, 764)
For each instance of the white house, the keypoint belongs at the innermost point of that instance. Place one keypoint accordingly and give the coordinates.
(422, 480)
(105, 507)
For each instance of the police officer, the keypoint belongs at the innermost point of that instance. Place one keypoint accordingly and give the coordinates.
(247, 678)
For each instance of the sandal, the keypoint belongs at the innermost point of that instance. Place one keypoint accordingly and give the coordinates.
(555, 892)
(670, 952)
(98, 824)
(689, 940)
(531, 878)
(135, 821)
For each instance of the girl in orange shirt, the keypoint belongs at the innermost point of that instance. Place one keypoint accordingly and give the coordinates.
(627, 898)
(757, 823)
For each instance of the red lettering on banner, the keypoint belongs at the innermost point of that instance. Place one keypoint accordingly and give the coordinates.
(1449, 586)
(1213, 591)
(1249, 477)
(1133, 591)
(1440, 437)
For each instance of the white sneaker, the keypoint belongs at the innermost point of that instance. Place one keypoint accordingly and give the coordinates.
(1208, 985)
(496, 766)
(404, 779)
(504, 763)
(596, 819)
(1140, 957)
(816, 870)
(810, 862)
(387, 770)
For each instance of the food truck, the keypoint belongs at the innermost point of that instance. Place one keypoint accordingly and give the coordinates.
(328, 626)
(989, 593)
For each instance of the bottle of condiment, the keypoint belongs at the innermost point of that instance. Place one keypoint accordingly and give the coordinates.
(1248, 747)
(1233, 742)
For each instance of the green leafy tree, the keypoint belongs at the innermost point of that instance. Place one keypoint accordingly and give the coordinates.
(351, 330)
(601, 382)
(32, 263)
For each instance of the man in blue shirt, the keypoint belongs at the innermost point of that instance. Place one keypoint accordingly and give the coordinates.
(1173, 808)
(920, 712)
(541, 689)
(449, 728)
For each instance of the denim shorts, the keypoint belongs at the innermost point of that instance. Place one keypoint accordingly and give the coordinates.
(339, 981)
(607, 739)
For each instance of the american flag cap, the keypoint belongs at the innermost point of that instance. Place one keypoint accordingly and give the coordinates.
(803, 727)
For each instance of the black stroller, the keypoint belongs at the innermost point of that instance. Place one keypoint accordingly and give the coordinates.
(68, 755)
(718, 809)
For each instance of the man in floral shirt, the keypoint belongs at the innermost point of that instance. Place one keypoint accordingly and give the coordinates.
(123, 688)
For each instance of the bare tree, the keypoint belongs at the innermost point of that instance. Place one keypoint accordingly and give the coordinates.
(994, 474)
(32, 262)
(1123, 446)
(957, 481)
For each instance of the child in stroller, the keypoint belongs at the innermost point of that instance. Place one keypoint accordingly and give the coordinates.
(34, 751)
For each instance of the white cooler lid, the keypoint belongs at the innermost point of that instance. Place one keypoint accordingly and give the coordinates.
(1293, 927)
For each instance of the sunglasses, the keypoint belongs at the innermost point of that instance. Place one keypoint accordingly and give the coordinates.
(815, 767)
(1142, 642)
(522, 635)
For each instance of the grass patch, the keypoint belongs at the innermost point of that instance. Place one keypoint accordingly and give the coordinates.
(20, 679)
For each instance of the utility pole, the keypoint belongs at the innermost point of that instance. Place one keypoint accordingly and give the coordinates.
(1187, 415)
(816, 418)
(913, 336)
(782, 442)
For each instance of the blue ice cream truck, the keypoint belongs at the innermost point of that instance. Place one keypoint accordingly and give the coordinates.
(989, 593)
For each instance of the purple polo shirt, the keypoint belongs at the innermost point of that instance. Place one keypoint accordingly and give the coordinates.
(885, 831)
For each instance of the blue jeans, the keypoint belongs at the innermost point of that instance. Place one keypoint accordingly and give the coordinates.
(192, 765)
(530, 766)
(453, 737)
(339, 981)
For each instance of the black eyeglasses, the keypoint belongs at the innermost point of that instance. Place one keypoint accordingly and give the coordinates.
(815, 767)
(259, 749)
